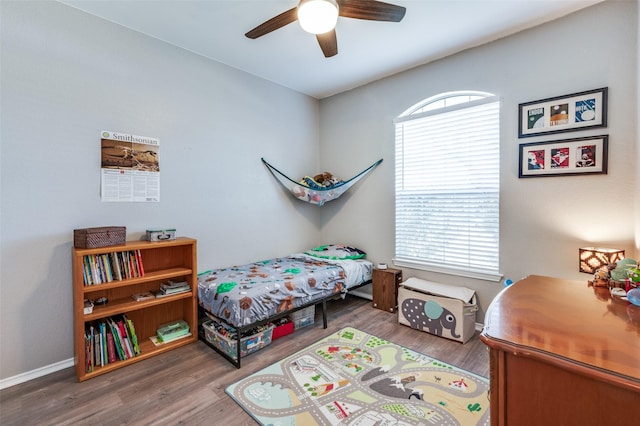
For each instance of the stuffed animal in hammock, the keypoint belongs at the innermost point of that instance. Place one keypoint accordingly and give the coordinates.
(323, 180)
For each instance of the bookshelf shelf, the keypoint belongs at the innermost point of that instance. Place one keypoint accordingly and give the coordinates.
(121, 306)
(147, 350)
(148, 277)
(163, 261)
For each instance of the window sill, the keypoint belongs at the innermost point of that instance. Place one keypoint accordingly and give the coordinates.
(480, 275)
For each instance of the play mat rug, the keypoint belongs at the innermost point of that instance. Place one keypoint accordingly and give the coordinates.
(353, 378)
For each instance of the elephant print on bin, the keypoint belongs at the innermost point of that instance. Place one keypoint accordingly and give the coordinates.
(429, 316)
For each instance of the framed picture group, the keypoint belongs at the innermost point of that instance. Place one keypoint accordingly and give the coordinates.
(568, 113)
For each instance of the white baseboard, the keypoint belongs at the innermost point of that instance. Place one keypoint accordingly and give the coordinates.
(34, 374)
(479, 327)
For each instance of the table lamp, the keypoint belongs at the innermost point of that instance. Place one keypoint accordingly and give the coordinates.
(594, 258)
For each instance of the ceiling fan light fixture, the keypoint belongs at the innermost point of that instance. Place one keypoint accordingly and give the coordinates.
(318, 16)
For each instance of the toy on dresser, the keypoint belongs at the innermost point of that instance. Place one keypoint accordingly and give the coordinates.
(622, 278)
(601, 278)
(619, 274)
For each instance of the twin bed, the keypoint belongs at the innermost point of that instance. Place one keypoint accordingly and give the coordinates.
(254, 294)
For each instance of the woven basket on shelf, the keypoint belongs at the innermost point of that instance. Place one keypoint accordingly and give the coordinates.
(99, 237)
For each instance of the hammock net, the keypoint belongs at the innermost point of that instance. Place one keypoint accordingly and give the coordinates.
(308, 190)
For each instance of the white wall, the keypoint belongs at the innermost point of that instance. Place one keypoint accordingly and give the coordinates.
(66, 76)
(543, 220)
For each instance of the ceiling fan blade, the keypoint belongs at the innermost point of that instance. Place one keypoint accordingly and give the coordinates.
(285, 18)
(328, 43)
(371, 10)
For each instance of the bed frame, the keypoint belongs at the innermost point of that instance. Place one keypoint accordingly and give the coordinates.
(240, 330)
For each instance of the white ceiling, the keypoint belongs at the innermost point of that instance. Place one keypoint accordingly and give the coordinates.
(367, 50)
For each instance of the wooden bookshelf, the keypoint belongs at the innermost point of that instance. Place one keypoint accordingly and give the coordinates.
(162, 261)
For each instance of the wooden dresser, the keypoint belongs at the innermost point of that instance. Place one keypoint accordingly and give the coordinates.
(563, 353)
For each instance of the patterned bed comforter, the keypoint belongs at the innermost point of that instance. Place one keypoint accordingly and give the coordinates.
(242, 295)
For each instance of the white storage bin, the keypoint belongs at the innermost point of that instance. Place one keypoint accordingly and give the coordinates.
(440, 309)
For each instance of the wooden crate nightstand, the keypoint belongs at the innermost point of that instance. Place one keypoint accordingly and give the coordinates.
(385, 288)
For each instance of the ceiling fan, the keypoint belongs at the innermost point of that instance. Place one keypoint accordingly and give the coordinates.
(319, 17)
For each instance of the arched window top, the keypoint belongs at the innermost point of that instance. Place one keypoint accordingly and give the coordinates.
(447, 100)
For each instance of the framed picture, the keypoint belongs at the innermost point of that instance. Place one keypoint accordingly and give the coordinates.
(563, 114)
(566, 157)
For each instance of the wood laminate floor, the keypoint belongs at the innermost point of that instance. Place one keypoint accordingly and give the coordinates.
(186, 386)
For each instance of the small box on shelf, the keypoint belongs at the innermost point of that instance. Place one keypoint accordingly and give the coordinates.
(105, 236)
(161, 234)
(88, 306)
(172, 331)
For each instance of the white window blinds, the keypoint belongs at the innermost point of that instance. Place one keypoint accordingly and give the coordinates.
(448, 187)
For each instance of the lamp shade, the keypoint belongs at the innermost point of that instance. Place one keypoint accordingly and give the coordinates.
(594, 258)
(318, 16)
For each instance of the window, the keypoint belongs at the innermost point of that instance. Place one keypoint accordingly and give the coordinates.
(448, 185)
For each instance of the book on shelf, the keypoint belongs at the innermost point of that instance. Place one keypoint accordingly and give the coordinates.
(161, 293)
(110, 340)
(132, 334)
(158, 342)
(173, 284)
(171, 288)
(139, 297)
(175, 290)
(86, 271)
(103, 344)
(108, 273)
(140, 266)
(117, 337)
(174, 287)
(88, 359)
(130, 265)
(94, 270)
(111, 346)
(96, 348)
(114, 266)
(124, 264)
(126, 344)
(89, 349)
